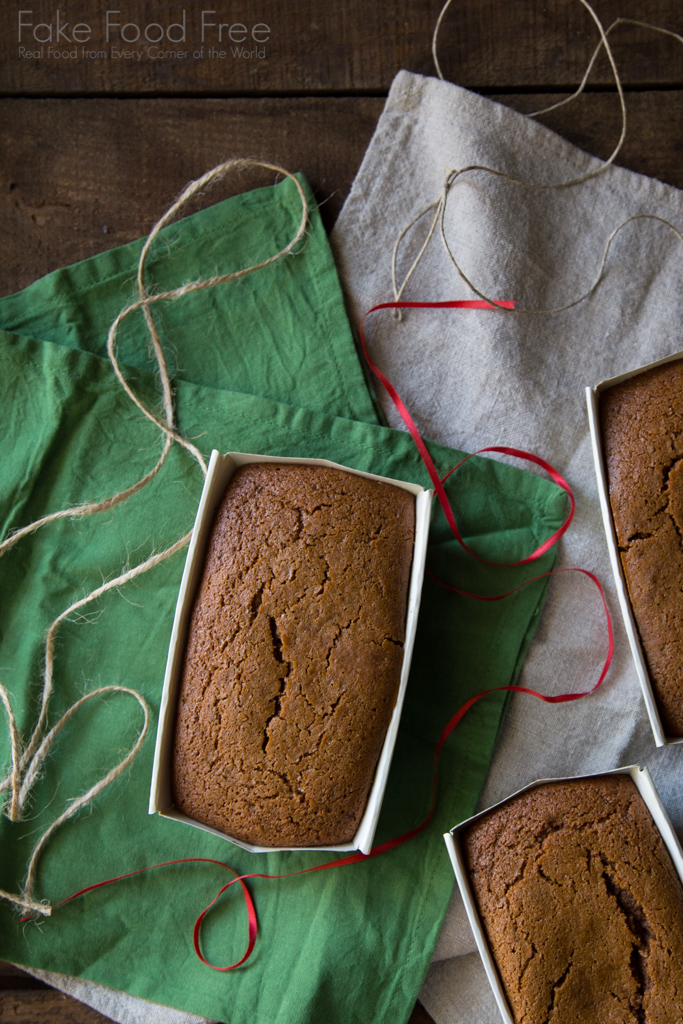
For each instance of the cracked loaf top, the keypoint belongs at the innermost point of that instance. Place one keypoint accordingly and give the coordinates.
(581, 904)
(294, 654)
(642, 436)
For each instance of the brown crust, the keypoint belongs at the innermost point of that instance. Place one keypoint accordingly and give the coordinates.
(294, 654)
(641, 422)
(581, 904)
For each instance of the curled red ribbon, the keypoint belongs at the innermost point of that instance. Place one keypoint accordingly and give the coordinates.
(462, 711)
(422, 447)
(251, 910)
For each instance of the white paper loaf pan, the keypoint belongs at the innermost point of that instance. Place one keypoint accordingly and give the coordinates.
(221, 469)
(593, 401)
(646, 788)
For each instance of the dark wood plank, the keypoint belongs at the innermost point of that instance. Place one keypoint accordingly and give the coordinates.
(318, 46)
(12, 979)
(72, 168)
(80, 176)
(46, 1007)
(26, 1000)
(654, 144)
(548, 45)
(420, 1015)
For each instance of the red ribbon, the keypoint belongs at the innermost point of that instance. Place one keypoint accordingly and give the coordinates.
(422, 447)
(562, 697)
(251, 910)
(462, 711)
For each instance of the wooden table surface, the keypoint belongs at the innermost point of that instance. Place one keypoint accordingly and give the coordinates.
(95, 145)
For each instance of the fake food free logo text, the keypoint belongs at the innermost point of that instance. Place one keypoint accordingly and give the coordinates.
(118, 38)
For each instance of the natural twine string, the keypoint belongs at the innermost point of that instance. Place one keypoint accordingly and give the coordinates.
(26, 761)
(144, 302)
(26, 900)
(440, 205)
(617, 81)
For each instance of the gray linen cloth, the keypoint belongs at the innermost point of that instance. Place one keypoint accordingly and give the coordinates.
(473, 379)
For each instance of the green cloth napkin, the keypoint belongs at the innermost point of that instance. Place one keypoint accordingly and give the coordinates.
(268, 365)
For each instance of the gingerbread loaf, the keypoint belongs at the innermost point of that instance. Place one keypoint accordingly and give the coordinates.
(641, 421)
(294, 654)
(581, 904)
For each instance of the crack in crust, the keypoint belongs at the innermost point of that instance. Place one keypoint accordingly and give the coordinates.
(667, 491)
(636, 922)
(557, 985)
(277, 654)
(294, 655)
(581, 904)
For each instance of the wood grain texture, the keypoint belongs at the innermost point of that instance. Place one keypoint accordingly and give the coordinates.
(81, 176)
(12, 979)
(46, 1007)
(317, 46)
(26, 1000)
(654, 142)
(73, 168)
